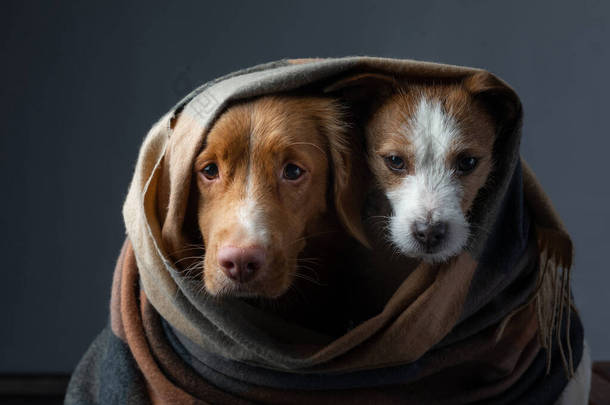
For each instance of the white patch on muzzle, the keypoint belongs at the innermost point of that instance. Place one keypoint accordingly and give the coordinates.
(251, 221)
(432, 194)
(251, 218)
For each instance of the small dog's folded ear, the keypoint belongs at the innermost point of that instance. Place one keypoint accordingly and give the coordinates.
(496, 96)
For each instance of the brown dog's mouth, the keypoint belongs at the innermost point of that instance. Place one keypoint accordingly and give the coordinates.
(248, 290)
(270, 281)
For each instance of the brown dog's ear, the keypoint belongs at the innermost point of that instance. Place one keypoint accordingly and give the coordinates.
(496, 96)
(348, 172)
(361, 93)
(349, 191)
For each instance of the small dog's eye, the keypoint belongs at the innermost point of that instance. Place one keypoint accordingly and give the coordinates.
(466, 164)
(395, 163)
(210, 171)
(292, 172)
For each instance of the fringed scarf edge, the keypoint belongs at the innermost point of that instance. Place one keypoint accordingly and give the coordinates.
(551, 296)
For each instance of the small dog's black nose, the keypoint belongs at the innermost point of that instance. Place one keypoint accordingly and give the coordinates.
(429, 234)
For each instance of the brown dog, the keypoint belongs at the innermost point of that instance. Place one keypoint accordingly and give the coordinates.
(273, 173)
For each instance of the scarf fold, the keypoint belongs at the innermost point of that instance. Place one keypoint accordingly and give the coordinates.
(141, 358)
(487, 326)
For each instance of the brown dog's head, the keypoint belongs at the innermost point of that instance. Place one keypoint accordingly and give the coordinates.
(264, 180)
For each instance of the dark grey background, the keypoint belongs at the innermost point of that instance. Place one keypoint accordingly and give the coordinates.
(82, 83)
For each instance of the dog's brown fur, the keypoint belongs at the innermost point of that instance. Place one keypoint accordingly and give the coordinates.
(251, 143)
(385, 134)
(386, 106)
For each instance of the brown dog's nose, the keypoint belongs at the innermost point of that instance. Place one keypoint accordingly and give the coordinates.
(429, 235)
(241, 264)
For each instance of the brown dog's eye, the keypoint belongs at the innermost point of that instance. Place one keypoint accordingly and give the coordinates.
(395, 163)
(292, 172)
(466, 164)
(210, 172)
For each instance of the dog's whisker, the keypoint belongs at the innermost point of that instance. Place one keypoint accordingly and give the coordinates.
(187, 248)
(314, 279)
(301, 276)
(193, 272)
(196, 265)
(187, 258)
(312, 262)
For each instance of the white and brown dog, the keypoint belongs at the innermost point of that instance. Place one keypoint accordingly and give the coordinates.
(430, 149)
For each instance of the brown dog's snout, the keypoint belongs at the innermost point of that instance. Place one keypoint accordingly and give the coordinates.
(241, 263)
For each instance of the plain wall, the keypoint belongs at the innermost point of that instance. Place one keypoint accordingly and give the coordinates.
(82, 84)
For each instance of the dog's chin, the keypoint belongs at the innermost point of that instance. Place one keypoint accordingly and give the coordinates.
(222, 287)
(432, 257)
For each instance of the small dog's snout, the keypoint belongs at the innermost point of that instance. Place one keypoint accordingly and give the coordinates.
(241, 263)
(429, 234)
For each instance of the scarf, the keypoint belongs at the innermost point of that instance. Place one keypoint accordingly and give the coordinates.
(494, 325)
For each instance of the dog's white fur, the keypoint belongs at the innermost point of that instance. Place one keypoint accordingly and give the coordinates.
(252, 223)
(432, 192)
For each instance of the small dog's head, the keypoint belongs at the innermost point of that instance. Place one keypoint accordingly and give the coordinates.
(430, 147)
(263, 180)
